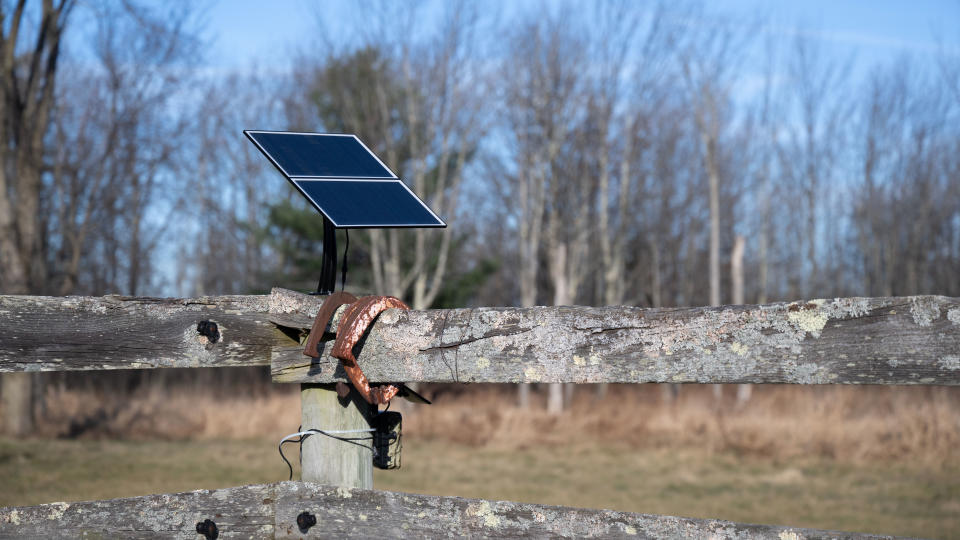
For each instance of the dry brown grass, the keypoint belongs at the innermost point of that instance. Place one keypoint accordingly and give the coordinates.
(846, 423)
(170, 415)
(871, 459)
(843, 423)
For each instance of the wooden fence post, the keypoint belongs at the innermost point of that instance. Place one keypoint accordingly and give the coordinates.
(327, 460)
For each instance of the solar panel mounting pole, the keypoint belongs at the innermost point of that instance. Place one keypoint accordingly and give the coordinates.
(328, 263)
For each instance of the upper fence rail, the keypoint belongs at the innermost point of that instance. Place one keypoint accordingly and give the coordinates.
(902, 340)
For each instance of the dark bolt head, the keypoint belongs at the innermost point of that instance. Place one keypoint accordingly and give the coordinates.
(209, 330)
(208, 529)
(306, 520)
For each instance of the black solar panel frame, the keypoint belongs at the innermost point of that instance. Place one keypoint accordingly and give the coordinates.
(292, 179)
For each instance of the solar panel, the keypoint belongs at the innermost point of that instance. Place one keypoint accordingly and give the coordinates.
(319, 155)
(367, 203)
(344, 180)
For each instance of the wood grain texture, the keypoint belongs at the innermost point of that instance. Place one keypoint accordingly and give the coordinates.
(241, 512)
(42, 333)
(906, 340)
(270, 511)
(331, 461)
(909, 340)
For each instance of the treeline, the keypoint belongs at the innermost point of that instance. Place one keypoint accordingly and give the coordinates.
(649, 154)
(610, 154)
(601, 154)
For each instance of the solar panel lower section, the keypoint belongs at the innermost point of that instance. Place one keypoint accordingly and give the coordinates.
(368, 203)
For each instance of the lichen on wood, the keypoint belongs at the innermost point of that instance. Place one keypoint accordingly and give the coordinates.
(271, 510)
(241, 512)
(845, 340)
(909, 340)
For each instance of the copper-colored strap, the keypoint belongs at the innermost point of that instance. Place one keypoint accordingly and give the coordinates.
(327, 309)
(353, 324)
(356, 319)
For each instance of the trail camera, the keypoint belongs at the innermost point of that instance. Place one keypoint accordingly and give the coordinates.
(387, 440)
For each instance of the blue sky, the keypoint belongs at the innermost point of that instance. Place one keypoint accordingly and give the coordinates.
(242, 31)
(266, 33)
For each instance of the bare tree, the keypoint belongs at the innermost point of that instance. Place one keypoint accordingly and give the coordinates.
(228, 243)
(118, 132)
(547, 187)
(766, 114)
(736, 278)
(416, 101)
(709, 68)
(29, 77)
(817, 84)
(882, 119)
(631, 52)
(709, 64)
(905, 207)
(85, 151)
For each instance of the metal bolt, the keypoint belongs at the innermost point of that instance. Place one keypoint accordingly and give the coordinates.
(209, 330)
(306, 520)
(208, 529)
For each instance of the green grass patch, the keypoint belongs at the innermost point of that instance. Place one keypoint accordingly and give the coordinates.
(905, 498)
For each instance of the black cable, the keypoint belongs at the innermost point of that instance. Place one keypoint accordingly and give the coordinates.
(328, 262)
(343, 271)
(284, 458)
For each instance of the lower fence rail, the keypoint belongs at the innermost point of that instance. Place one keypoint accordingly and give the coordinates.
(307, 510)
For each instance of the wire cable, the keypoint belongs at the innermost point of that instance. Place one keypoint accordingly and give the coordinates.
(343, 270)
(332, 433)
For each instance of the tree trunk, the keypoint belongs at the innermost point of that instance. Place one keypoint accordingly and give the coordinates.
(744, 391)
(531, 208)
(736, 270)
(523, 396)
(18, 403)
(25, 104)
(764, 239)
(714, 179)
(555, 398)
(558, 264)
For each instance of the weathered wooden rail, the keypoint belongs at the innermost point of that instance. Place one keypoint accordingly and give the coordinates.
(908, 340)
(912, 340)
(271, 510)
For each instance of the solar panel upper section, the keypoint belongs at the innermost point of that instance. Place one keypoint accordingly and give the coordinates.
(368, 203)
(319, 155)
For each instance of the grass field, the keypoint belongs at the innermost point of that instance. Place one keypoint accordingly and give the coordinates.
(904, 499)
(883, 460)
